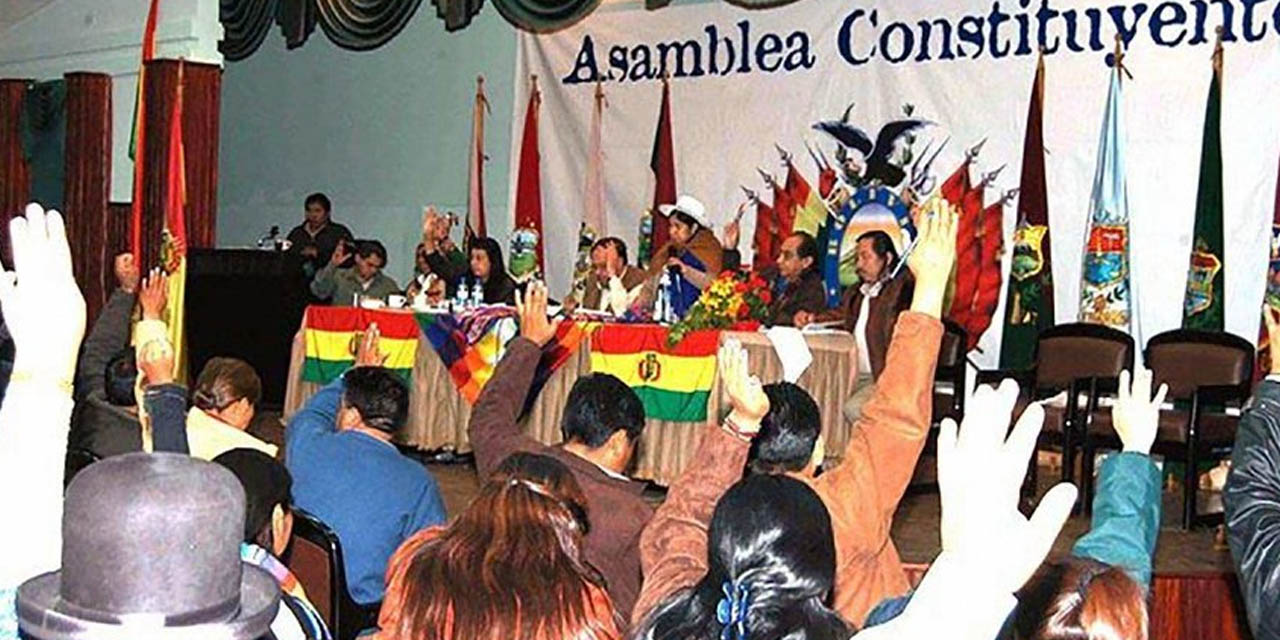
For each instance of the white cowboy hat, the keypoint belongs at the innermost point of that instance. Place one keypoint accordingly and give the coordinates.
(689, 206)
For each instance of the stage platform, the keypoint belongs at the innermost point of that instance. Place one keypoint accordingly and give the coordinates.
(1194, 597)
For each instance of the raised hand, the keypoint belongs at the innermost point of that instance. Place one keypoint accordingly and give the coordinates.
(156, 362)
(733, 232)
(803, 319)
(127, 274)
(367, 352)
(746, 394)
(340, 254)
(532, 308)
(154, 295)
(979, 476)
(1136, 415)
(42, 305)
(933, 256)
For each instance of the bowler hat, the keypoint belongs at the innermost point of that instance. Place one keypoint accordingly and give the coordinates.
(151, 549)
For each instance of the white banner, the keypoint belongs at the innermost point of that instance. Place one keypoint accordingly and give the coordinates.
(744, 80)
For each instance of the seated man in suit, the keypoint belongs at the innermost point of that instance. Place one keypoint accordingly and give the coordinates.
(869, 311)
(365, 279)
(612, 284)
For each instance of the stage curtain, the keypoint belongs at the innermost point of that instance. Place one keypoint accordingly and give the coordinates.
(245, 24)
(759, 4)
(364, 24)
(201, 107)
(44, 134)
(87, 186)
(15, 177)
(457, 14)
(544, 15)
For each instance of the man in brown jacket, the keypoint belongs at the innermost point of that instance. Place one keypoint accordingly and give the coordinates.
(869, 311)
(796, 281)
(602, 422)
(861, 494)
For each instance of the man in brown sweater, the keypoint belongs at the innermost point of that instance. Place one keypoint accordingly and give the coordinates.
(602, 422)
(861, 494)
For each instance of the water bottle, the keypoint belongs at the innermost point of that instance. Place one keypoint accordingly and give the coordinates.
(461, 302)
(662, 310)
(477, 294)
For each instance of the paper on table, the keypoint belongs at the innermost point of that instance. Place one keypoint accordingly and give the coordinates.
(792, 350)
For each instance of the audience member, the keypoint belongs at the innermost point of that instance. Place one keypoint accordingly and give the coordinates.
(511, 566)
(1100, 591)
(439, 252)
(612, 285)
(862, 493)
(45, 314)
(151, 551)
(796, 281)
(693, 256)
(347, 472)
(1252, 497)
(490, 271)
(224, 401)
(268, 527)
(318, 236)
(869, 311)
(105, 420)
(345, 287)
(731, 234)
(602, 422)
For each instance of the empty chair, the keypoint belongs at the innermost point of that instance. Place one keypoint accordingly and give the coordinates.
(315, 557)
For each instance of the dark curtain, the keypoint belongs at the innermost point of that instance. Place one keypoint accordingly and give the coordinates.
(457, 14)
(245, 24)
(15, 178)
(542, 16)
(88, 186)
(364, 24)
(201, 107)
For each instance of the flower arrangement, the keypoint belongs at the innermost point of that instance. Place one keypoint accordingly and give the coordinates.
(737, 300)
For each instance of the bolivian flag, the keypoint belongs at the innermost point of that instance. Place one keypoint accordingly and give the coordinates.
(332, 335)
(673, 382)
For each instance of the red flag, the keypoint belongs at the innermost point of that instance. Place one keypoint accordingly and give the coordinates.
(968, 256)
(529, 181)
(475, 169)
(811, 213)
(663, 164)
(139, 132)
(173, 249)
(784, 213)
(990, 276)
(957, 184)
(763, 247)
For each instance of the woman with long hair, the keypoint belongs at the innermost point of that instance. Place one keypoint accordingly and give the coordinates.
(488, 268)
(510, 566)
(771, 565)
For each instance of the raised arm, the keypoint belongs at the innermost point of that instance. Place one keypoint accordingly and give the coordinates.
(110, 331)
(1252, 500)
(46, 315)
(881, 456)
(493, 430)
(1126, 509)
(673, 546)
(323, 284)
(165, 401)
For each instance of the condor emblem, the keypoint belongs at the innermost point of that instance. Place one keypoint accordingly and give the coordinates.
(650, 368)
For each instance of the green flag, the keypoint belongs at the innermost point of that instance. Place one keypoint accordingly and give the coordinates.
(1202, 307)
(1028, 309)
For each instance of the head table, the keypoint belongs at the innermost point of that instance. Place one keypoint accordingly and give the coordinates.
(440, 397)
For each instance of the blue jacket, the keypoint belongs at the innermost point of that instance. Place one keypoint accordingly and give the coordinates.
(370, 495)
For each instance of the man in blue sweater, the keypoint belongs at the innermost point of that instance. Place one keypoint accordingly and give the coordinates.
(348, 474)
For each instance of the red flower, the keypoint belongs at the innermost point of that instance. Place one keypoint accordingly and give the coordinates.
(743, 312)
(766, 296)
(741, 287)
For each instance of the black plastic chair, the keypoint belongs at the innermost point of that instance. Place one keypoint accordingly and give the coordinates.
(1207, 371)
(315, 558)
(948, 392)
(76, 461)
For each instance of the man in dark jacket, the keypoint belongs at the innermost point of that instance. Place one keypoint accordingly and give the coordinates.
(318, 236)
(1252, 499)
(796, 281)
(602, 422)
(105, 420)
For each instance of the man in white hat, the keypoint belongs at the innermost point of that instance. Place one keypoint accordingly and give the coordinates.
(693, 256)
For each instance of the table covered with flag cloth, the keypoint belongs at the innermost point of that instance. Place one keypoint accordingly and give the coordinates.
(671, 383)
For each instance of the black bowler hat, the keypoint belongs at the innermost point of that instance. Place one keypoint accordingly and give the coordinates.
(151, 549)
